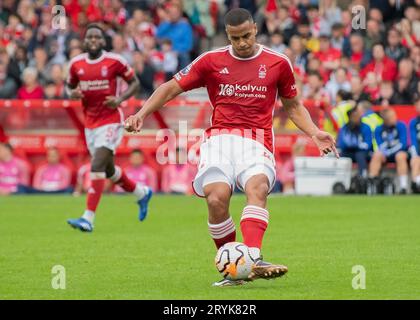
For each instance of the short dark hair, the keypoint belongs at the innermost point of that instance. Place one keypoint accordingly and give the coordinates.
(351, 111)
(236, 17)
(95, 26)
(345, 95)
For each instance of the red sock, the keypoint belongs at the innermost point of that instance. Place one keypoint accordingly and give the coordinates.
(254, 222)
(95, 191)
(223, 232)
(122, 180)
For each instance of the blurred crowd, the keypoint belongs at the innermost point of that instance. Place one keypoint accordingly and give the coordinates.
(342, 61)
(378, 60)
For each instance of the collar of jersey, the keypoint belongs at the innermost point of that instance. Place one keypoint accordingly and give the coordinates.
(95, 60)
(250, 58)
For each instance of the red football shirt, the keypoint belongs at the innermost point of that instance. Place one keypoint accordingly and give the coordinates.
(97, 80)
(243, 92)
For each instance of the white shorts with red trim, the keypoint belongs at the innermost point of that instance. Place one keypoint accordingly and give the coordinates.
(232, 159)
(108, 136)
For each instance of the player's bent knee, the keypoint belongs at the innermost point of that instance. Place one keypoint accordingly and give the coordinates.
(217, 201)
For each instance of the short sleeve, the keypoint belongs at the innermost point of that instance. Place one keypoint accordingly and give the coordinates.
(124, 70)
(72, 78)
(286, 84)
(194, 75)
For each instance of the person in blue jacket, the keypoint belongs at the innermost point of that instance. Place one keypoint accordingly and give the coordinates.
(414, 129)
(355, 141)
(177, 29)
(391, 138)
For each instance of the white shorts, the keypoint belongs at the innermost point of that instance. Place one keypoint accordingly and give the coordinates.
(108, 136)
(232, 159)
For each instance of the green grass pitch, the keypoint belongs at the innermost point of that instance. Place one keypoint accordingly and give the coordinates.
(170, 255)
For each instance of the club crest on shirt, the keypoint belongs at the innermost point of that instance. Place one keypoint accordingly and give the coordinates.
(104, 71)
(262, 72)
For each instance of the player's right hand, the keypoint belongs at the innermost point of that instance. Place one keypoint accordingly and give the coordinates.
(76, 94)
(133, 123)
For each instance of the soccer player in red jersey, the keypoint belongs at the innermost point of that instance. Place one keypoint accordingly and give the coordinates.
(243, 81)
(93, 77)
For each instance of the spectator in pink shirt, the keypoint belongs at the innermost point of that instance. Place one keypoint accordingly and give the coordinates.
(177, 178)
(138, 171)
(13, 171)
(53, 176)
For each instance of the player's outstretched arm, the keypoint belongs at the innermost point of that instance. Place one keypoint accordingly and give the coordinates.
(301, 118)
(157, 100)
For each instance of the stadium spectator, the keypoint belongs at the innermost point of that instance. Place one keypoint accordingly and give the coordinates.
(338, 81)
(19, 62)
(329, 57)
(357, 89)
(31, 89)
(177, 178)
(338, 40)
(179, 31)
(330, 13)
(250, 5)
(277, 42)
(406, 71)
(311, 43)
(281, 21)
(359, 55)
(139, 171)
(56, 81)
(374, 34)
(383, 67)
(403, 95)
(299, 54)
(119, 46)
(414, 129)
(355, 140)
(14, 172)
(344, 103)
(314, 89)
(371, 118)
(409, 39)
(202, 15)
(391, 138)
(394, 49)
(371, 86)
(54, 176)
(170, 59)
(40, 63)
(8, 86)
(146, 74)
(386, 94)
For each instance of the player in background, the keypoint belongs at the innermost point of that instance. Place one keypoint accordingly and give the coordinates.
(391, 138)
(243, 81)
(415, 149)
(93, 78)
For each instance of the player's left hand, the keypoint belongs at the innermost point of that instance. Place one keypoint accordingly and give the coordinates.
(325, 143)
(112, 102)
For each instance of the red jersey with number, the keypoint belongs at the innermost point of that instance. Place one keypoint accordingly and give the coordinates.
(98, 79)
(242, 91)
